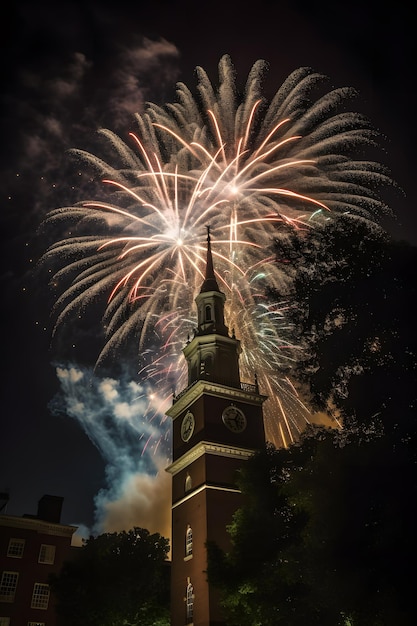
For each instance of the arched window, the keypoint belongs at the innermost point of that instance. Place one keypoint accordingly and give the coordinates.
(189, 541)
(208, 364)
(188, 482)
(208, 313)
(189, 600)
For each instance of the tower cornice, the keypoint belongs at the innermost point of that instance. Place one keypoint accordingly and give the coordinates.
(206, 447)
(210, 339)
(200, 387)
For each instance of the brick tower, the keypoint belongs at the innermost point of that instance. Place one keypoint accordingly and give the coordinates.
(217, 425)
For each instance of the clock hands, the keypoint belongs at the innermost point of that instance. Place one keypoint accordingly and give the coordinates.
(234, 418)
(187, 427)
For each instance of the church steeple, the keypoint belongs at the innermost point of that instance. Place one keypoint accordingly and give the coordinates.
(210, 300)
(212, 355)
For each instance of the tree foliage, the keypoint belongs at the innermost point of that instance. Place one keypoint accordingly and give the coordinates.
(114, 579)
(354, 294)
(326, 533)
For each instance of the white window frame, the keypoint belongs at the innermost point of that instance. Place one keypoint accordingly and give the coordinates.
(47, 554)
(188, 485)
(16, 548)
(40, 596)
(189, 541)
(5, 585)
(189, 602)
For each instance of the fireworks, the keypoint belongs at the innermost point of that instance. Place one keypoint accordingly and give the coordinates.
(243, 166)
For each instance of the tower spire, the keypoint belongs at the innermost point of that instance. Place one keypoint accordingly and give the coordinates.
(212, 355)
(210, 300)
(210, 282)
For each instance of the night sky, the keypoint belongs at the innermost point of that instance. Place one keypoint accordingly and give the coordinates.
(70, 68)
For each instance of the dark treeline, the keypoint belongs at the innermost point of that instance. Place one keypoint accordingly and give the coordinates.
(327, 533)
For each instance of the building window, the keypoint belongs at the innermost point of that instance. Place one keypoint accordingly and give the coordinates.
(16, 547)
(189, 541)
(8, 586)
(47, 554)
(208, 364)
(189, 600)
(40, 596)
(4, 621)
(34, 624)
(208, 313)
(188, 482)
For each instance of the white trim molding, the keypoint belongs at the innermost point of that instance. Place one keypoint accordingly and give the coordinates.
(205, 447)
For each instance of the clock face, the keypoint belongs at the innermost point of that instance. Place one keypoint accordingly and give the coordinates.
(187, 426)
(234, 419)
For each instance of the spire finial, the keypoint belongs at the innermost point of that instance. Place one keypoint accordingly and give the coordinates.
(209, 264)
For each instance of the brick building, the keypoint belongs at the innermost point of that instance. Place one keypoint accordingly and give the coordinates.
(31, 548)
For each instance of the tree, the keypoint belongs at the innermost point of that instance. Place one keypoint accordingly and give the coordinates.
(354, 294)
(255, 578)
(114, 579)
(324, 537)
(326, 531)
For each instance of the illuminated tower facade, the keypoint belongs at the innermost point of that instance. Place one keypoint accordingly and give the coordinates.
(217, 425)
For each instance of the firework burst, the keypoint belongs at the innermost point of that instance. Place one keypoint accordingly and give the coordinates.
(243, 166)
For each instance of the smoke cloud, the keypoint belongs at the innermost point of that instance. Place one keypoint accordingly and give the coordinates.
(60, 104)
(124, 419)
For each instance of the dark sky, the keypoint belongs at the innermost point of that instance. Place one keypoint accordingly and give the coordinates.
(69, 68)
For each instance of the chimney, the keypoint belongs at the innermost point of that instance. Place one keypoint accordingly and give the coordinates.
(49, 508)
(4, 499)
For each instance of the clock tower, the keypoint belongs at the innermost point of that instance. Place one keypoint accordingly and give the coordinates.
(217, 426)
